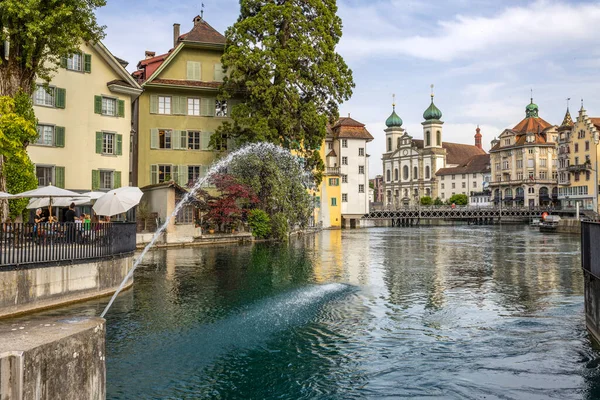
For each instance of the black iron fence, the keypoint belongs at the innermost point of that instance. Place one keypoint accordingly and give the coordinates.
(22, 244)
(590, 250)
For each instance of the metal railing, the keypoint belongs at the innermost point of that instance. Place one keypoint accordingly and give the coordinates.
(23, 244)
(332, 171)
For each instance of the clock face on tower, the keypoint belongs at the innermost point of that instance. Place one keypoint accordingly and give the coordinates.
(405, 152)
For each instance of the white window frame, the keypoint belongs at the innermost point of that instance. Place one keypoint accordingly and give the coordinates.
(45, 130)
(109, 143)
(361, 169)
(45, 167)
(193, 106)
(106, 110)
(164, 166)
(344, 160)
(104, 175)
(361, 151)
(194, 139)
(361, 188)
(164, 105)
(344, 197)
(345, 143)
(75, 62)
(42, 98)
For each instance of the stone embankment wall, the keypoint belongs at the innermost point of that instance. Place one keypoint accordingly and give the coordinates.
(569, 226)
(27, 289)
(49, 359)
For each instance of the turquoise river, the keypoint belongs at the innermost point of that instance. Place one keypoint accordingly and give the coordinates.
(464, 312)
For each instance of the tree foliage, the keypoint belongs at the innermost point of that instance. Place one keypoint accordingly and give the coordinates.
(438, 202)
(38, 33)
(17, 129)
(260, 223)
(459, 200)
(281, 57)
(277, 180)
(233, 203)
(426, 201)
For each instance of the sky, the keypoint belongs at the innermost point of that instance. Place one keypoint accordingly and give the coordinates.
(483, 57)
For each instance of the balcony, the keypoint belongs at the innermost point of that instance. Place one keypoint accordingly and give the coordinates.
(331, 171)
(580, 167)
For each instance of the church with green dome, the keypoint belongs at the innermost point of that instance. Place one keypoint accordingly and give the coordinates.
(410, 165)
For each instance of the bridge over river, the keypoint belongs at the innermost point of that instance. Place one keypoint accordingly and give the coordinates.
(412, 216)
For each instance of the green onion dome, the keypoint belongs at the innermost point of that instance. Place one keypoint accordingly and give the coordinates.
(432, 112)
(531, 110)
(394, 120)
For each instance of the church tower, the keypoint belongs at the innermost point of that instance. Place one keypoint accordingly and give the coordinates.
(478, 138)
(394, 130)
(432, 126)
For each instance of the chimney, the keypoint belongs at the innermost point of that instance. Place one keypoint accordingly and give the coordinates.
(150, 54)
(175, 34)
(348, 115)
(478, 138)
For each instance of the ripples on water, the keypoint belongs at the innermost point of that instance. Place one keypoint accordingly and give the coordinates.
(442, 312)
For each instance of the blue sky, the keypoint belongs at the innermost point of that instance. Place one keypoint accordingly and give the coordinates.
(482, 56)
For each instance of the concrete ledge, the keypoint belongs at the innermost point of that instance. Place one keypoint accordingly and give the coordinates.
(32, 289)
(207, 240)
(50, 359)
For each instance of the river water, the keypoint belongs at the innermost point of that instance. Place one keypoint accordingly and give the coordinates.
(465, 312)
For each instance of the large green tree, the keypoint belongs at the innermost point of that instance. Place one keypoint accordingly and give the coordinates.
(35, 34)
(280, 56)
(17, 129)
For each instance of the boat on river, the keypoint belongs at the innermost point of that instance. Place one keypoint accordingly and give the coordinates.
(549, 224)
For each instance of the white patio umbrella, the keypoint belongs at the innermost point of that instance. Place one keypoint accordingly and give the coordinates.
(49, 192)
(118, 201)
(5, 196)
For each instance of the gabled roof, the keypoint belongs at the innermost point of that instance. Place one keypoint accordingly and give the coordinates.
(348, 128)
(332, 153)
(202, 32)
(477, 164)
(456, 153)
(117, 66)
(596, 122)
(186, 83)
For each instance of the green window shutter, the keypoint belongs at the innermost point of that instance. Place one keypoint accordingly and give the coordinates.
(205, 140)
(60, 98)
(197, 71)
(119, 145)
(207, 107)
(116, 179)
(194, 71)
(121, 108)
(184, 141)
(59, 136)
(190, 71)
(182, 178)
(176, 140)
(153, 104)
(95, 179)
(154, 143)
(219, 74)
(59, 177)
(99, 142)
(179, 105)
(63, 62)
(87, 63)
(98, 104)
(153, 174)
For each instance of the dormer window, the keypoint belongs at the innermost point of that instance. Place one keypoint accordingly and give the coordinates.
(507, 142)
(530, 138)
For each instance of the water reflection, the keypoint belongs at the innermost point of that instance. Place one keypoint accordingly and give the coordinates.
(436, 312)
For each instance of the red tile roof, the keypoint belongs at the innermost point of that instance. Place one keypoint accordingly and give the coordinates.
(477, 164)
(181, 82)
(532, 125)
(202, 32)
(456, 153)
(596, 122)
(348, 128)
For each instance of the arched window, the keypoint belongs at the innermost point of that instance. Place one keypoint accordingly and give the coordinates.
(543, 192)
(439, 138)
(405, 192)
(388, 175)
(427, 172)
(398, 144)
(520, 192)
(428, 192)
(415, 173)
(389, 144)
(405, 172)
(508, 193)
(497, 193)
(396, 174)
(427, 138)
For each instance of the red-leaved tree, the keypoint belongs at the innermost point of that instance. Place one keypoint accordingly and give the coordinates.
(233, 204)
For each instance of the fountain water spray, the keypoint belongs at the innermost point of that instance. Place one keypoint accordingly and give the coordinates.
(260, 149)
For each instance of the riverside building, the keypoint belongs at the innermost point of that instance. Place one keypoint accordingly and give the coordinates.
(410, 165)
(84, 122)
(179, 111)
(346, 172)
(578, 161)
(524, 163)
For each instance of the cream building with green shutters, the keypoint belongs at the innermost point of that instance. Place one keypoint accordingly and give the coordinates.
(179, 110)
(84, 122)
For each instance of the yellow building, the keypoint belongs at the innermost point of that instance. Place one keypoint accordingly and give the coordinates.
(329, 194)
(578, 161)
(84, 122)
(178, 111)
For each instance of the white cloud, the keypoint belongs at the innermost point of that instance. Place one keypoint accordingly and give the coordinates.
(533, 29)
